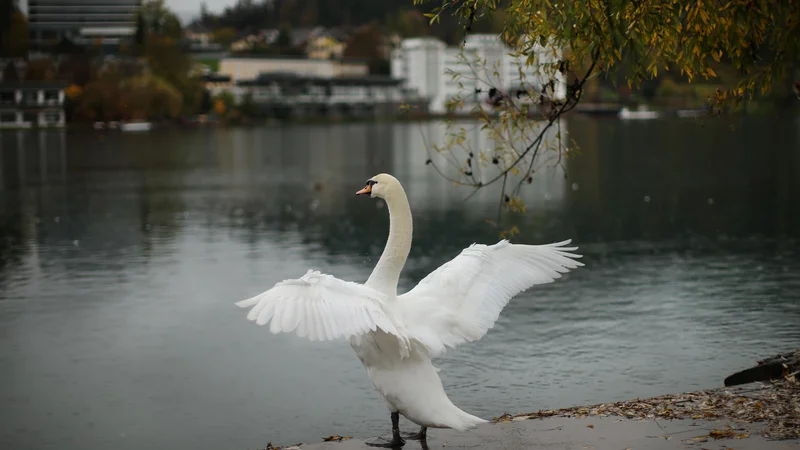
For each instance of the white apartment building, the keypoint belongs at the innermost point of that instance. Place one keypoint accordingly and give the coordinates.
(427, 65)
(83, 21)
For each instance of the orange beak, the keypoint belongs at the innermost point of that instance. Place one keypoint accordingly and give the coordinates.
(367, 189)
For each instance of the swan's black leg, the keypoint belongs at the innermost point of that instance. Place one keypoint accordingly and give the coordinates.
(396, 441)
(422, 435)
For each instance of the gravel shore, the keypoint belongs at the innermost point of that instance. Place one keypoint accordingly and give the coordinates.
(758, 416)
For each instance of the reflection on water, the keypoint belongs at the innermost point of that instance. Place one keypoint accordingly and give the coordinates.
(121, 257)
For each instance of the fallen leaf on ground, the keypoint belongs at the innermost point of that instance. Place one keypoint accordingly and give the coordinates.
(337, 438)
(722, 434)
(590, 426)
(776, 405)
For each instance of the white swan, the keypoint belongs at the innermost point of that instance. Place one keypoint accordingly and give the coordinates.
(394, 336)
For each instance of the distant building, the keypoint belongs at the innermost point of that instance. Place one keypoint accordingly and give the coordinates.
(427, 65)
(285, 88)
(202, 41)
(31, 103)
(83, 22)
(216, 82)
(324, 47)
(261, 38)
(22, 5)
(251, 67)
(282, 95)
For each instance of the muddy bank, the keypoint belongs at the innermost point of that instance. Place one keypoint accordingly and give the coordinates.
(763, 414)
(753, 416)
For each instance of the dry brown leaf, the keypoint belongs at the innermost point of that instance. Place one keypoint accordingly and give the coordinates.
(722, 434)
(696, 439)
(504, 418)
(336, 438)
(590, 426)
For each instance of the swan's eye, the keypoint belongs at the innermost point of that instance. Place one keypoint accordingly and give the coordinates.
(371, 182)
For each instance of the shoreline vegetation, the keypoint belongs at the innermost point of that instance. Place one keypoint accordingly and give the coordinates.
(753, 404)
(587, 109)
(604, 113)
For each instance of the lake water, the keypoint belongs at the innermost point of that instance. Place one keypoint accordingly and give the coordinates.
(121, 257)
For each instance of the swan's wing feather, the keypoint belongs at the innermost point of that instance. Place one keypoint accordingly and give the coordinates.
(322, 307)
(462, 299)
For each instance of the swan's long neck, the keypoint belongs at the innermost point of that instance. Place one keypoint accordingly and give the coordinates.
(386, 274)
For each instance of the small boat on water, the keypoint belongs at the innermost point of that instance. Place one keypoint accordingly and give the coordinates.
(640, 114)
(136, 126)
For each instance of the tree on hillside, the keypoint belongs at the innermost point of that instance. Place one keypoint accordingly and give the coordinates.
(204, 14)
(141, 35)
(122, 91)
(224, 36)
(367, 43)
(13, 34)
(409, 23)
(66, 47)
(76, 69)
(156, 18)
(7, 10)
(168, 62)
(246, 14)
(745, 47)
(309, 14)
(10, 72)
(172, 27)
(40, 70)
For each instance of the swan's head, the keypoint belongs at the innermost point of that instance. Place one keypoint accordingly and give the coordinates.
(380, 186)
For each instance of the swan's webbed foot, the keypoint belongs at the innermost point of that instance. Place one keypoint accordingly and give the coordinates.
(421, 435)
(396, 441)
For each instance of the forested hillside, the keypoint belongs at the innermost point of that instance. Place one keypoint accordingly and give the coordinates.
(400, 16)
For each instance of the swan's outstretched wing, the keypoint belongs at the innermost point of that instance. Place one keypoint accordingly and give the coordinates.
(322, 307)
(461, 300)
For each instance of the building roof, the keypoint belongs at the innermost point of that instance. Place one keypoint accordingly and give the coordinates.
(295, 58)
(370, 80)
(216, 78)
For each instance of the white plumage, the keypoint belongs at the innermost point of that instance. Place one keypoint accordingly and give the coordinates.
(323, 307)
(461, 300)
(396, 336)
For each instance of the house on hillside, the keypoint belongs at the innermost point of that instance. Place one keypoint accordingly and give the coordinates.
(32, 104)
(260, 38)
(201, 41)
(324, 47)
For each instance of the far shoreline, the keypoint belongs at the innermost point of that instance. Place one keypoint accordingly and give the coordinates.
(597, 111)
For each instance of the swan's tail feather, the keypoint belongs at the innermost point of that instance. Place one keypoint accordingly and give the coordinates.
(466, 421)
(451, 416)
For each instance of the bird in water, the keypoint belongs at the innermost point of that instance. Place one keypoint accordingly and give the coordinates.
(396, 336)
